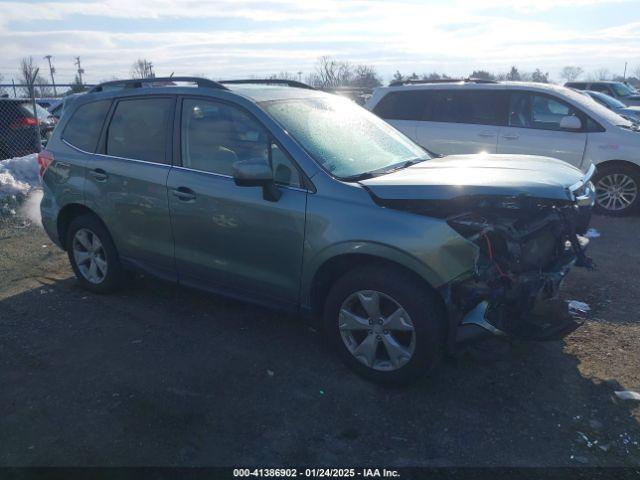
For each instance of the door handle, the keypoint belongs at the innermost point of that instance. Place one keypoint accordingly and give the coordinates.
(183, 193)
(511, 137)
(99, 174)
(486, 134)
(63, 165)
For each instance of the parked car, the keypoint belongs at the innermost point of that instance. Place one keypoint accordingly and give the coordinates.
(460, 117)
(630, 113)
(301, 200)
(18, 135)
(48, 103)
(618, 90)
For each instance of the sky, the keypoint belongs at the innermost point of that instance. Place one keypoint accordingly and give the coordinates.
(241, 38)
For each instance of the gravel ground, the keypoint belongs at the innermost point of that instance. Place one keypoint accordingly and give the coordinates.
(162, 375)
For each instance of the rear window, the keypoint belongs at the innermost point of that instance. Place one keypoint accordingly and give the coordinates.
(475, 107)
(407, 105)
(84, 126)
(578, 85)
(139, 129)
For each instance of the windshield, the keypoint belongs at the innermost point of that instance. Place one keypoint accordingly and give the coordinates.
(607, 100)
(623, 90)
(347, 140)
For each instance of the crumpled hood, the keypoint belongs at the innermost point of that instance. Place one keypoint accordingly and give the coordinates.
(479, 174)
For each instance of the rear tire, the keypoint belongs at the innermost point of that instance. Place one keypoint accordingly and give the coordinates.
(617, 189)
(385, 347)
(93, 256)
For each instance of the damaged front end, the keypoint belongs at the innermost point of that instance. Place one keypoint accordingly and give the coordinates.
(526, 247)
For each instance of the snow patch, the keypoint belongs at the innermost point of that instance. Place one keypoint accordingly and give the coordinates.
(18, 176)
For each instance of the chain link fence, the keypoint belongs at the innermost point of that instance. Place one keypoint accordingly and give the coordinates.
(28, 116)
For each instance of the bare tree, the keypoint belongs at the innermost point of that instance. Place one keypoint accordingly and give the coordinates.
(600, 74)
(571, 73)
(142, 68)
(539, 77)
(365, 76)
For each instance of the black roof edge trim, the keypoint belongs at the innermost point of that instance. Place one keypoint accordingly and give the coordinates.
(142, 82)
(441, 80)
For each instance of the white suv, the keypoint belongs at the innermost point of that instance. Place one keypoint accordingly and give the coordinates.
(471, 116)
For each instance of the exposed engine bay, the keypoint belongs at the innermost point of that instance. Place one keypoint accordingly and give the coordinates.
(524, 254)
(526, 246)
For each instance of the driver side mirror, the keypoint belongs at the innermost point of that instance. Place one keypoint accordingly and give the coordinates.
(255, 172)
(570, 122)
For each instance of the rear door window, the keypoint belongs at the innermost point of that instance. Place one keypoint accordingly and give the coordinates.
(139, 129)
(84, 127)
(480, 107)
(405, 105)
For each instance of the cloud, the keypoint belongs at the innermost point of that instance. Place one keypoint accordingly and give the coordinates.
(240, 37)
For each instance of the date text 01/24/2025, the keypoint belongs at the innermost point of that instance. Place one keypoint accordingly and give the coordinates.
(316, 473)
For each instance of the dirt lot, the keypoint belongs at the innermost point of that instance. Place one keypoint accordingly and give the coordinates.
(163, 375)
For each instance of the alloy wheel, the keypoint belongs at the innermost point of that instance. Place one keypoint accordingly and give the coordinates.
(616, 191)
(377, 330)
(90, 256)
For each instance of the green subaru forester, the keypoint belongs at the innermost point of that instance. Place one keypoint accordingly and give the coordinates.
(275, 193)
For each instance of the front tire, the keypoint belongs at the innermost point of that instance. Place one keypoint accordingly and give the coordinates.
(93, 255)
(617, 189)
(385, 324)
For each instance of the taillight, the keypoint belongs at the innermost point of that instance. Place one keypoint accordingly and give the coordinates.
(23, 122)
(45, 158)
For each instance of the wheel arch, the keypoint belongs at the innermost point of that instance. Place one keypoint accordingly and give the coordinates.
(612, 163)
(66, 216)
(336, 266)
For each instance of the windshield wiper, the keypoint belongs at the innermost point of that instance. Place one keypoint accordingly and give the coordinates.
(384, 171)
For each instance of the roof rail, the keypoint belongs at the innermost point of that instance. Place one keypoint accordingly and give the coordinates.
(268, 81)
(143, 82)
(398, 83)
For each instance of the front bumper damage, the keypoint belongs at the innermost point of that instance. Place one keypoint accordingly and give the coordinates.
(513, 290)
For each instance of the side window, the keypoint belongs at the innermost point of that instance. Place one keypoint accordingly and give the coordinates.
(445, 108)
(84, 127)
(139, 129)
(537, 111)
(482, 107)
(215, 135)
(405, 105)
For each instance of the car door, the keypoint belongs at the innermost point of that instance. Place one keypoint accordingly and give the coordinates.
(534, 128)
(126, 182)
(229, 238)
(462, 122)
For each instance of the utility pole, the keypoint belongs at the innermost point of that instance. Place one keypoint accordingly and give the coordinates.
(52, 71)
(299, 76)
(624, 75)
(80, 70)
(149, 69)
